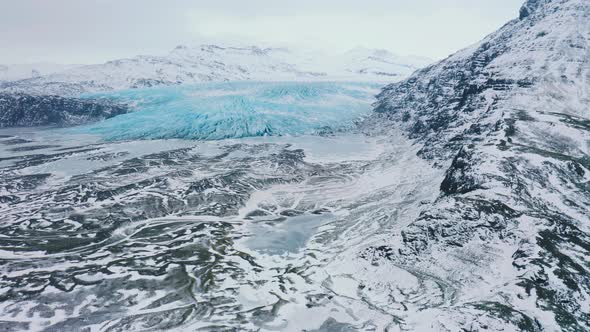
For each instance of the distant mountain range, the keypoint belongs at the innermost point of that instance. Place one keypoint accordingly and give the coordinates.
(209, 63)
(17, 72)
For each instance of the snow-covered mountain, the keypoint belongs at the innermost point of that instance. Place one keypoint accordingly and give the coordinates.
(381, 63)
(469, 209)
(15, 72)
(359, 63)
(211, 63)
(509, 120)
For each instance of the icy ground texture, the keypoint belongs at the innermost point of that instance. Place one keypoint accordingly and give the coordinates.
(259, 234)
(508, 119)
(234, 110)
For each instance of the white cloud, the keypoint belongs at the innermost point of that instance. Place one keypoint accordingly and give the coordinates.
(406, 33)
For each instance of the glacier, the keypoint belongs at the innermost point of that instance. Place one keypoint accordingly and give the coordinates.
(465, 207)
(212, 111)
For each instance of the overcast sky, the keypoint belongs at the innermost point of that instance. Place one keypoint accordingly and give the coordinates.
(91, 31)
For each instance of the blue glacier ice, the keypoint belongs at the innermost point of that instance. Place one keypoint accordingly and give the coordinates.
(213, 111)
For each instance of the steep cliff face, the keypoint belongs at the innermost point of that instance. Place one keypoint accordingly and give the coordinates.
(22, 110)
(509, 120)
(530, 7)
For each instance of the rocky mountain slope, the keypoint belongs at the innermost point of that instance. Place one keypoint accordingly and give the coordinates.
(211, 63)
(508, 118)
(21, 110)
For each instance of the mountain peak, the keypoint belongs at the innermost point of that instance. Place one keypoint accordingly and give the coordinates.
(531, 6)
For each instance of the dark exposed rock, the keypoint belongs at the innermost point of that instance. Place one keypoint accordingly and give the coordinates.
(460, 178)
(22, 110)
(529, 7)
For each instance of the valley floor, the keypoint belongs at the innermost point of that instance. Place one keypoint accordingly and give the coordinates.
(258, 233)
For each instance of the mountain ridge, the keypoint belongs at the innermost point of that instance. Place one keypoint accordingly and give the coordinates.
(507, 119)
(212, 63)
(15, 72)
